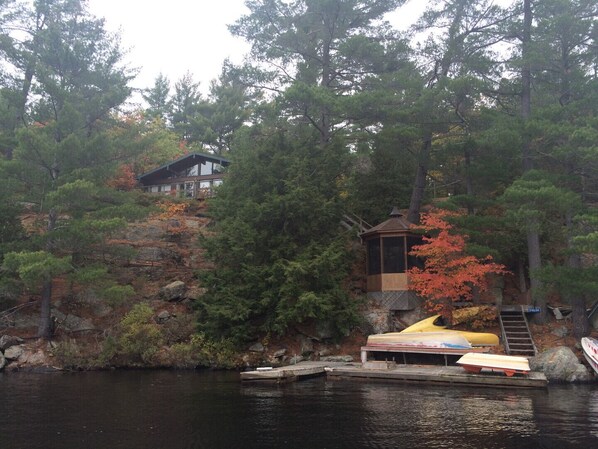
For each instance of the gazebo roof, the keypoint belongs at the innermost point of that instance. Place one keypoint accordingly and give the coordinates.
(397, 224)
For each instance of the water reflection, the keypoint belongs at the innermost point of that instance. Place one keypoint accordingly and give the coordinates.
(212, 410)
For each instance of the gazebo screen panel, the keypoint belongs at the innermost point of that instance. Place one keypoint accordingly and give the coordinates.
(393, 249)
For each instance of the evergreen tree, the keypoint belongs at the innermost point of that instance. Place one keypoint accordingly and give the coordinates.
(279, 256)
(318, 53)
(185, 103)
(71, 80)
(158, 99)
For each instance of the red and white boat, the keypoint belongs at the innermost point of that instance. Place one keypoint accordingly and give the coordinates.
(590, 351)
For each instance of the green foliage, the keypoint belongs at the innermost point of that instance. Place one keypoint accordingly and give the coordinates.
(205, 352)
(534, 201)
(278, 253)
(35, 268)
(11, 230)
(140, 336)
(78, 355)
(179, 328)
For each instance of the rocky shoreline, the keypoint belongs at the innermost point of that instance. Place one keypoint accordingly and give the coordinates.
(559, 364)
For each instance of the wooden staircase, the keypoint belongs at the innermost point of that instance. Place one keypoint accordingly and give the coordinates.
(515, 332)
(352, 221)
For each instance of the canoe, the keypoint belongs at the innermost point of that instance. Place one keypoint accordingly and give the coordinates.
(590, 351)
(510, 365)
(434, 324)
(420, 339)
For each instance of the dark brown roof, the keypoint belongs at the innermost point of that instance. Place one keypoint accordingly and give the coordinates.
(396, 224)
(182, 163)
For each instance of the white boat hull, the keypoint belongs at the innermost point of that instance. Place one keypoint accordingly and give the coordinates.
(420, 339)
(504, 363)
(590, 351)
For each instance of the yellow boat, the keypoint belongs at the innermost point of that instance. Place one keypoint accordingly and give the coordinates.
(436, 324)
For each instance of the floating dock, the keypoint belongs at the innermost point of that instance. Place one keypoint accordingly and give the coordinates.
(290, 373)
(429, 374)
(389, 371)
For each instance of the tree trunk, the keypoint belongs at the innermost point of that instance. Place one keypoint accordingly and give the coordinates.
(579, 317)
(526, 82)
(521, 276)
(419, 186)
(45, 329)
(533, 233)
(535, 263)
(45, 320)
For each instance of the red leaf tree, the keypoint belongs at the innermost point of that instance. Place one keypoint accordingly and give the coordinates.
(449, 274)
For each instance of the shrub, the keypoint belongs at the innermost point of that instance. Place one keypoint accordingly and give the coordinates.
(202, 351)
(141, 337)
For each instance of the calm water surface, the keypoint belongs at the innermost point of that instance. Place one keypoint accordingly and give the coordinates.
(170, 409)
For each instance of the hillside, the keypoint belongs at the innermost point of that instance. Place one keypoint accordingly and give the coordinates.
(160, 258)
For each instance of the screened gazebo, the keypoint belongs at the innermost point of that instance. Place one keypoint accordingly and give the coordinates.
(387, 247)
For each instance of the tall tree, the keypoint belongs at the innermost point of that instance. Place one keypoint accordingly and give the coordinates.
(459, 67)
(318, 50)
(280, 258)
(228, 107)
(158, 99)
(185, 103)
(72, 78)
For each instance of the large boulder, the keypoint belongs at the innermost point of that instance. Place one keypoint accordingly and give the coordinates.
(72, 323)
(560, 364)
(14, 352)
(175, 291)
(378, 321)
(6, 341)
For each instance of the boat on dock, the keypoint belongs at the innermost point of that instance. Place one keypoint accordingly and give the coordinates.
(507, 364)
(436, 323)
(446, 340)
(589, 346)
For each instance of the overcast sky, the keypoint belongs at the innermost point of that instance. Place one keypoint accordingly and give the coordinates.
(176, 36)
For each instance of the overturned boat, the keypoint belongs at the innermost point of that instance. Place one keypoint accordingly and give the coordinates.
(507, 364)
(440, 340)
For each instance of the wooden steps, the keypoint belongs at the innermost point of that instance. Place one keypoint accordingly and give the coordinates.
(515, 333)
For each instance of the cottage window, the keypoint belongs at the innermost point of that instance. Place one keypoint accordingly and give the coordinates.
(206, 168)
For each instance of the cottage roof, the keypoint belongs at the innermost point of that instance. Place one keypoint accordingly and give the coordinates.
(182, 163)
(396, 224)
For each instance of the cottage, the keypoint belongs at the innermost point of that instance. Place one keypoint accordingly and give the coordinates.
(192, 176)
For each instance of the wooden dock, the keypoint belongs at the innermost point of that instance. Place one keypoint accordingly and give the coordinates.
(291, 373)
(429, 374)
(389, 371)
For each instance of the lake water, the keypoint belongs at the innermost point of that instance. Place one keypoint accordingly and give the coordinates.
(212, 410)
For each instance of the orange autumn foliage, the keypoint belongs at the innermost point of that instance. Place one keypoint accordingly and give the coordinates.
(449, 274)
(170, 211)
(124, 178)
